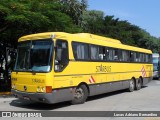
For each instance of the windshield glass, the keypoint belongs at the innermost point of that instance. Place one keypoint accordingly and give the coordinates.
(155, 63)
(34, 56)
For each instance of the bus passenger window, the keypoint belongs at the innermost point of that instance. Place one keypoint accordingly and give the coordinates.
(132, 56)
(80, 51)
(102, 55)
(61, 55)
(142, 57)
(146, 58)
(125, 55)
(109, 54)
(150, 58)
(120, 55)
(138, 57)
(115, 54)
(94, 52)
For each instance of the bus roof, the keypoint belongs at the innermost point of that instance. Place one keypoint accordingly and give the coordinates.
(89, 38)
(44, 36)
(98, 37)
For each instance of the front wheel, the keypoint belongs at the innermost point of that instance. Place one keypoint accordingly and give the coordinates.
(131, 85)
(80, 95)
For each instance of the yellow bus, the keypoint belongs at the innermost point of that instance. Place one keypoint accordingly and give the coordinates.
(53, 67)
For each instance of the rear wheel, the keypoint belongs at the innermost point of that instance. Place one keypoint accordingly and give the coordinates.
(131, 85)
(80, 95)
(139, 84)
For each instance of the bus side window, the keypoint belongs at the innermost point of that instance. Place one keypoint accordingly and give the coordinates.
(132, 56)
(115, 54)
(109, 54)
(147, 58)
(94, 52)
(125, 55)
(138, 57)
(150, 59)
(61, 55)
(102, 55)
(80, 51)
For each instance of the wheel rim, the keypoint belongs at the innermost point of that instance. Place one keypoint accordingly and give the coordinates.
(79, 93)
(131, 84)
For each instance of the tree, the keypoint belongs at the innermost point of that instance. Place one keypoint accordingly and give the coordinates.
(21, 17)
(148, 41)
(75, 9)
(93, 21)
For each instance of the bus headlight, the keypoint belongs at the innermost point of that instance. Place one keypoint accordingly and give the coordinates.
(13, 86)
(43, 89)
(38, 89)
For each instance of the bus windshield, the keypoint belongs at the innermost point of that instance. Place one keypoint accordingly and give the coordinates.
(34, 56)
(155, 63)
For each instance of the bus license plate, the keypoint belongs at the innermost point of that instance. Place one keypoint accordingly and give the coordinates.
(26, 98)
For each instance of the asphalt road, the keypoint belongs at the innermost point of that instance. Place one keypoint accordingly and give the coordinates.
(146, 99)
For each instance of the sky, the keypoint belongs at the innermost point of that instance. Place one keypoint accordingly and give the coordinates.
(143, 13)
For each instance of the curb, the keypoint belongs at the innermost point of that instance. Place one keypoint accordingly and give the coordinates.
(6, 95)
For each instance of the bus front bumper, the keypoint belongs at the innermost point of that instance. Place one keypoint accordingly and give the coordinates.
(50, 98)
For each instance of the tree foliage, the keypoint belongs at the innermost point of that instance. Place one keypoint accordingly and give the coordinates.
(75, 9)
(22, 17)
(93, 21)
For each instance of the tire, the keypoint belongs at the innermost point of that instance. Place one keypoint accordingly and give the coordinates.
(139, 84)
(80, 95)
(131, 85)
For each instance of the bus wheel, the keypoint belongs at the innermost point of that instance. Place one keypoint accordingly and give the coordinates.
(80, 95)
(139, 84)
(131, 85)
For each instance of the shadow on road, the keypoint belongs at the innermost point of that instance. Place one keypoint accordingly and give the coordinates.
(37, 106)
(110, 94)
(42, 106)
